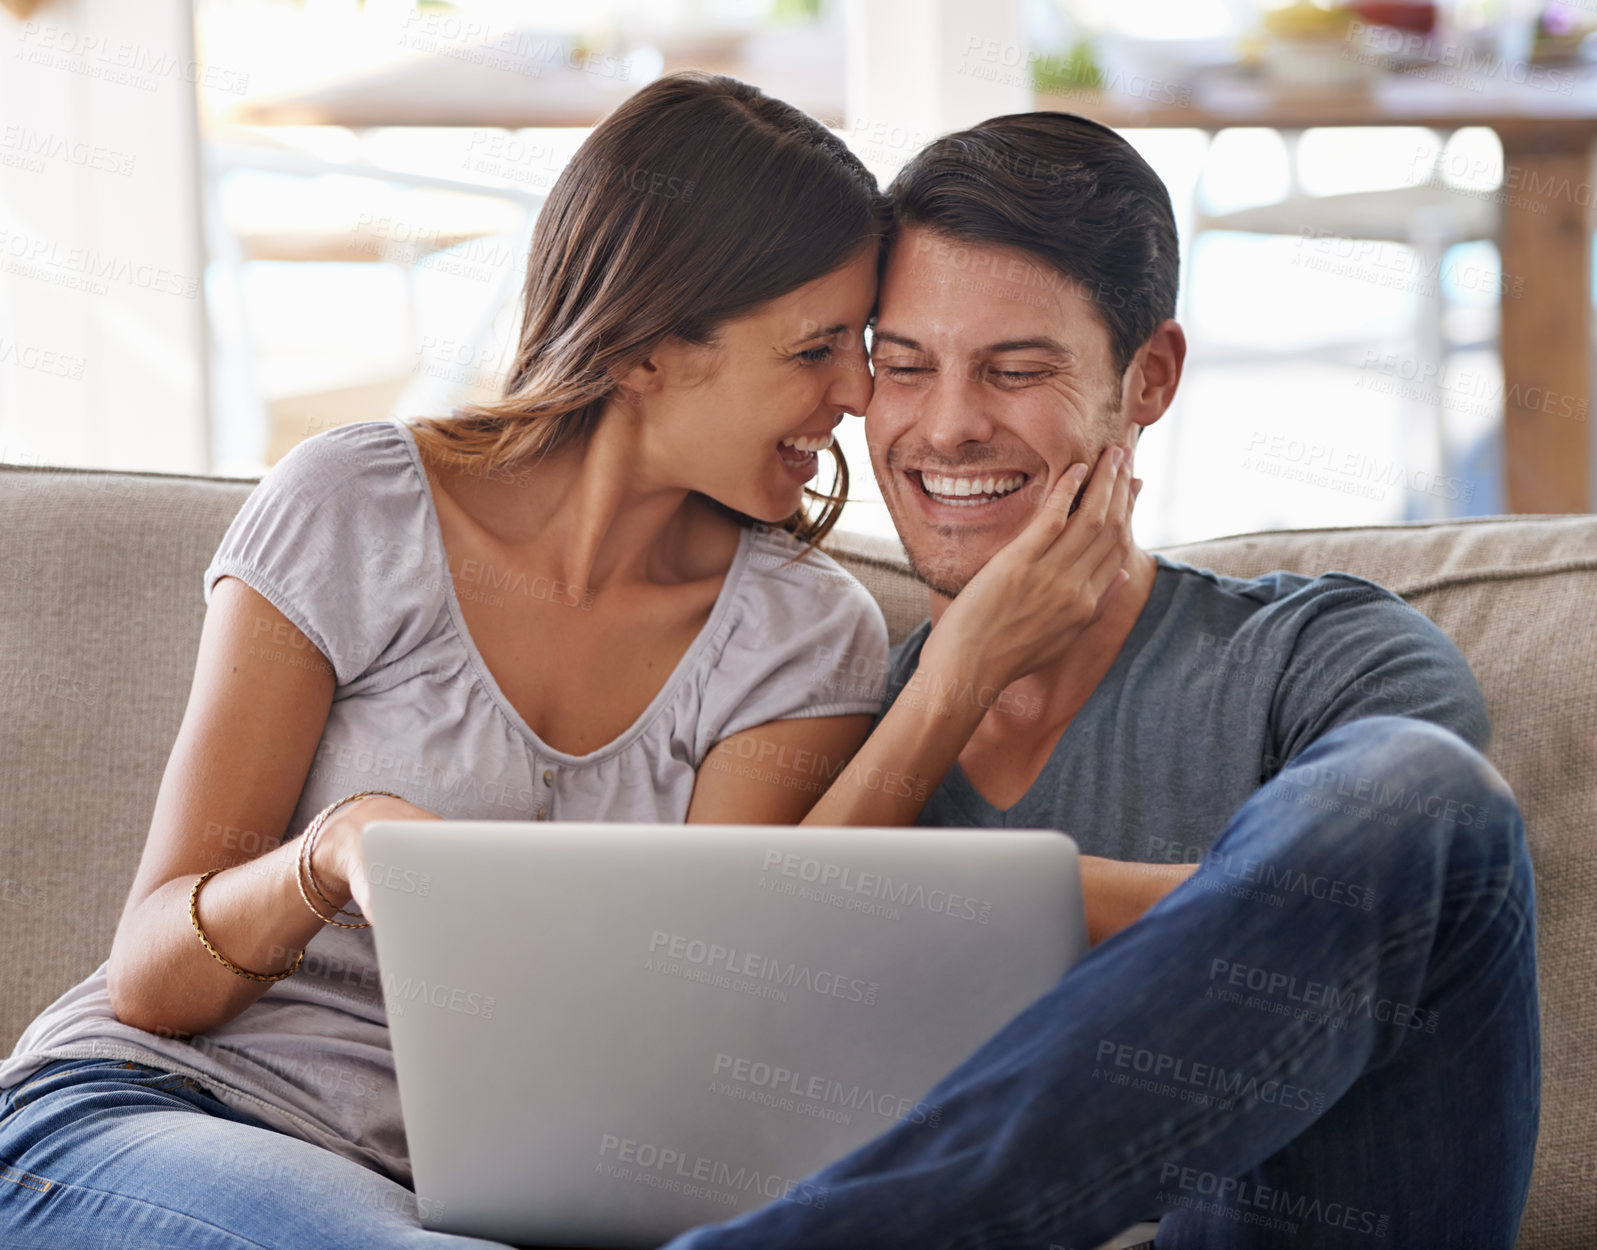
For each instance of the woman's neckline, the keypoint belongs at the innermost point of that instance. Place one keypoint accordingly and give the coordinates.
(490, 684)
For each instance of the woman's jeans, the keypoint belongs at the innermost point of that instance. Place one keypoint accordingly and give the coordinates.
(100, 1153)
(1326, 1037)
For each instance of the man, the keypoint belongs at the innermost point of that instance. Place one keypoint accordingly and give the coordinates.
(1310, 1016)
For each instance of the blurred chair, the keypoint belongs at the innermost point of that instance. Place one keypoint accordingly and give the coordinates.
(1429, 217)
(333, 235)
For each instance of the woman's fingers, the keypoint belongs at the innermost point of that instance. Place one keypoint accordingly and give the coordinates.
(1057, 554)
(1103, 563)
(1054, 524)
(1101, 504)
(1050, 519)
(1025, 606)
(1113, 522)
(1054, 518)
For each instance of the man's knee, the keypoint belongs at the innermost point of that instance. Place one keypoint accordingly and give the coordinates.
(1401, 773)
(1379, 778)
(1395, 761)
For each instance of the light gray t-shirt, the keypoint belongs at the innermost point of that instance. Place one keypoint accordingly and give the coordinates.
(1220, 683)
(342, 537)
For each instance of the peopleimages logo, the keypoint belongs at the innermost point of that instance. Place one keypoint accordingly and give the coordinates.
(1237, 1196)
(1380, 795)
(1285, 994)
(663, 1167)
(1172, 1075)
(828, 875)
(773, 1078)
(714, 958)
(398, 994)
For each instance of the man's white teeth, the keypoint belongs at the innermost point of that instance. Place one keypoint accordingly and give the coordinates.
(941, 487)
(808, 442)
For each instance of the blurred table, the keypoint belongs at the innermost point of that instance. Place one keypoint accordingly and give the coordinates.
(1545, 236)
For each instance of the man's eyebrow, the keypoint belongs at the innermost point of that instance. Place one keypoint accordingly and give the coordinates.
(878, 335)
(1043, 343)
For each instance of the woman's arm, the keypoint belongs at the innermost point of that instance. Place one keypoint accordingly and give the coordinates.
(774, 773)
(806, 771)
(1020, 612)
(249, 735)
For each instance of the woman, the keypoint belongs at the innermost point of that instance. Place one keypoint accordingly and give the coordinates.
(576, 603)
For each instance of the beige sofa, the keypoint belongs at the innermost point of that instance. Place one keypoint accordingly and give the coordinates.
(100, 613)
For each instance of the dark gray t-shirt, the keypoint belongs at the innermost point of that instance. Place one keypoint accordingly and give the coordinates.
(1221, 681)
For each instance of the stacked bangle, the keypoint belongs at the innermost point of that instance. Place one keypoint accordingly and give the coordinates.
(302, 871)
(307, 849)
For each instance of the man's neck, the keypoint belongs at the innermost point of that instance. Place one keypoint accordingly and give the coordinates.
(1043, 703)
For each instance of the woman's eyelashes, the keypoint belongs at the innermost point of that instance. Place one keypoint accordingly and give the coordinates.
(830, 351)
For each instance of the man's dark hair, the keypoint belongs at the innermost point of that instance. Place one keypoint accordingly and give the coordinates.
(1067, 190)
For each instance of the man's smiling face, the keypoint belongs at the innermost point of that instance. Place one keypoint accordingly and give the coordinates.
(994, 374)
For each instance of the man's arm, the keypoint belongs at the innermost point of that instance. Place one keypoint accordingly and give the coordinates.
(1365, 652)
(1361, 652)
(1118, 893)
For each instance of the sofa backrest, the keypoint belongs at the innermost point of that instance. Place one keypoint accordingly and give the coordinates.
(100, 616)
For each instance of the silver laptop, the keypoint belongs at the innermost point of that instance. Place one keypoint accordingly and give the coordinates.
(607, 1034)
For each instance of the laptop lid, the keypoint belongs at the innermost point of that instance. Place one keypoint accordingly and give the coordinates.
(605, 1034)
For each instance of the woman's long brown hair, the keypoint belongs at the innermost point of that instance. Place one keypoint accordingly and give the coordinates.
(698, 200)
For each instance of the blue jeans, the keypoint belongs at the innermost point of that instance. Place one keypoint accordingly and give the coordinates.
(1326, 1037)
(99, 1154)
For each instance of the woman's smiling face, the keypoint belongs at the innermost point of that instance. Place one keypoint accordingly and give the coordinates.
(743, 419)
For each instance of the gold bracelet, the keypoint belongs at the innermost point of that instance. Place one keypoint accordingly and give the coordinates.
(304, 871)
(309, 850)
(194, 918)
(308, 847)
(299, 878)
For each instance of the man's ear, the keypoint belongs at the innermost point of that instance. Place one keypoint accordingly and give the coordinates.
(1154, 373)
